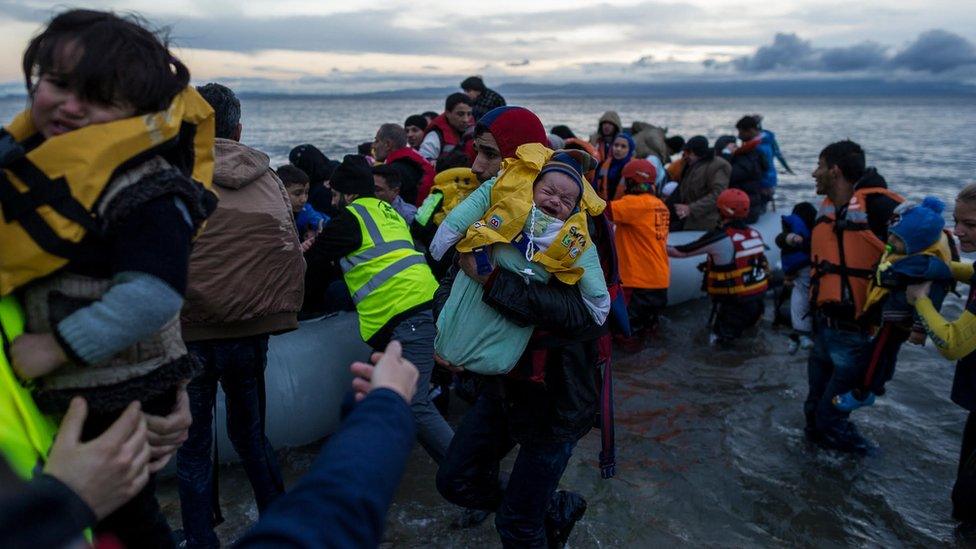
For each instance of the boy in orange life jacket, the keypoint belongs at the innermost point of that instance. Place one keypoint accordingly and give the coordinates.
(736, 269)
(641, 236)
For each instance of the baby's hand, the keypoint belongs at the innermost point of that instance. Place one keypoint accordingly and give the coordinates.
(35, 355)
(794, 239)
(917, 338)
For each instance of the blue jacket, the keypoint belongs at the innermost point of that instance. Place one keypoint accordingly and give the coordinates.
(911, 270)
(308, 220)
(795, 258)
(769, 148)
(343, 500)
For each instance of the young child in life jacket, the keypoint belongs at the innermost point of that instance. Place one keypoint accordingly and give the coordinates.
(308, 220)
(794, 242)
(918, 250)
(112, 121)
(736, 272)
(532, 220)
(641, 236)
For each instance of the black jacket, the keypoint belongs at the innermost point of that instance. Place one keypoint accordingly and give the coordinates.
(564, 407)
(747, 172)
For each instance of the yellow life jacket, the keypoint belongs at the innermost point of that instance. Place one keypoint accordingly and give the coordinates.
(454, 185)
(877, 292)
(51, 189)
(511, 204)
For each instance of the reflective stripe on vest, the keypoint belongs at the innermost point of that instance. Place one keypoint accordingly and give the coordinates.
(386, 276)
(746, 275)
(25, 433)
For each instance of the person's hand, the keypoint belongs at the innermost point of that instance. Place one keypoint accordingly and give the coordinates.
(682, 210)
(446, 364)
(469, 265)
(107, 471)
(917, 338)
(671, 251)
(794, 239)
(309, 240)
(168, 433)
(35, 355)
(915, 291)
(391, 370)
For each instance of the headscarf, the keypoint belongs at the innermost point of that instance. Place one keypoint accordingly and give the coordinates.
(608, 176)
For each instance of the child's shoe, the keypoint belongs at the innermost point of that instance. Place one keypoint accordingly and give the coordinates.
(805, 342)
(850, 401)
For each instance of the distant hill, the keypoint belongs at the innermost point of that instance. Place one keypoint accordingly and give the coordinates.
(687, 88)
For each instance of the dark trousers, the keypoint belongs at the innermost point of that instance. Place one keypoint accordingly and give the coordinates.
(836, 365)
(964, 490)
(733, 315)
(644, 306)
(469, 475)
(238, 365)
(139, 522)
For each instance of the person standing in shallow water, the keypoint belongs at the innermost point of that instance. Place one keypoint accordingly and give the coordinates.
(846, 244)
(956, 340)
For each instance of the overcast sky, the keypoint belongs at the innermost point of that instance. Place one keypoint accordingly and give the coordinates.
(328, 46)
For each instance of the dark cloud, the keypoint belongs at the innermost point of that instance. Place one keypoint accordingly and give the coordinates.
(522, 63)
(936, 51)
(933, 51)
(645, 61)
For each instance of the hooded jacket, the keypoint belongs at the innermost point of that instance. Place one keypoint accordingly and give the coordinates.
(650, 140)
(700, 186)
(246, 269)
(603, 147)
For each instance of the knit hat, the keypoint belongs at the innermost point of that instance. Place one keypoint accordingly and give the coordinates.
(311, 161)
(573, 163)
(416, 120)
(556, 142)
(353, 176)
(919, 225)
(697, 145)
(511, 127)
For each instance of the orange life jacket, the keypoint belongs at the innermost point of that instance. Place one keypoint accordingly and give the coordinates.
(747, 274)
(843, 267)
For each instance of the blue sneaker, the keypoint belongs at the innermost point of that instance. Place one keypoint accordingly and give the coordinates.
(848, 402)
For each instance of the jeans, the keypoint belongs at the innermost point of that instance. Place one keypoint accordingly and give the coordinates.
(469, 474)
(238, 365)
(416, 335)
(836, 365)
(964, 489)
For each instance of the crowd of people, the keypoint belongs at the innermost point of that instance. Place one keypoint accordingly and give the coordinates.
(148, 255)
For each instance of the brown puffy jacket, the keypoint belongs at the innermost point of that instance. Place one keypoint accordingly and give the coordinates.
(246, 269)
(650, 140)
(700, 186)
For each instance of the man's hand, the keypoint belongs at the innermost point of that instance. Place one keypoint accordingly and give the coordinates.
(35, 355)
(391, 370)
(469, 265)
(107, 471)
(916, 291)
(168, 433)
(682, 210)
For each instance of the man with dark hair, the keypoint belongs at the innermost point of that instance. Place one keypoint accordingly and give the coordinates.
(415, 126)
(389, 282)
(484, 98)
(846, 246)
(446, 133)
(545, 419)
(387, 183)
(245, 283)
(318, 168)
(753, 135)
(416, 173)
(702, 180)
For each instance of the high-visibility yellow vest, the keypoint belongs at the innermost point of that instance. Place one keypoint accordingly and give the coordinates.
(386, 276)
(25, 433)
